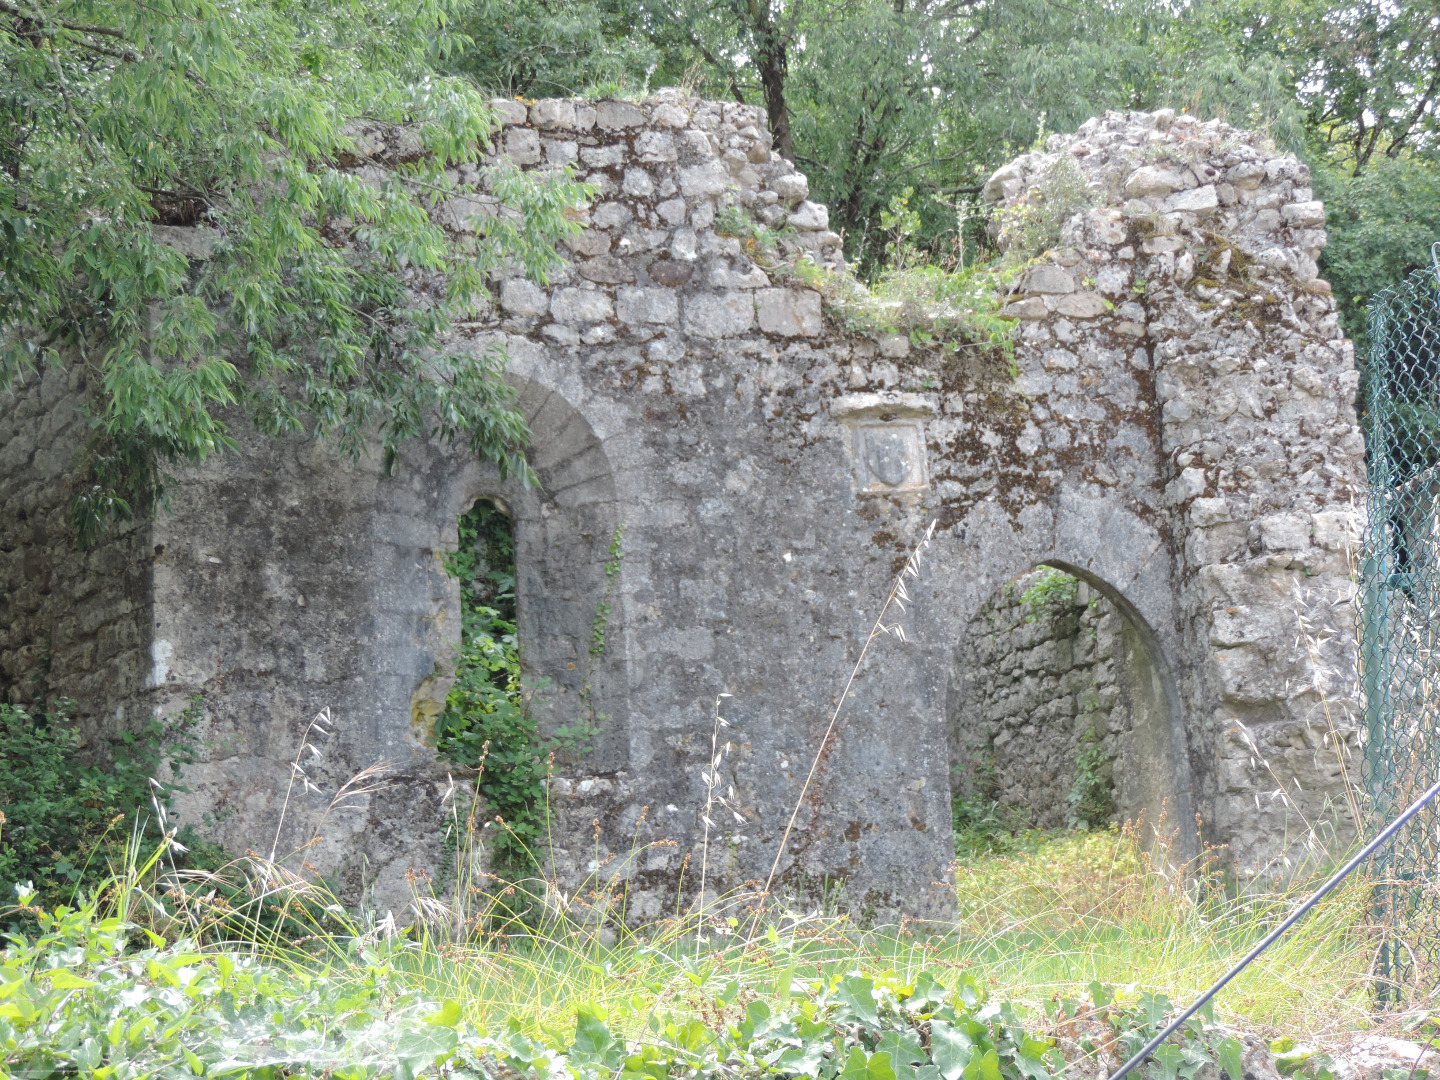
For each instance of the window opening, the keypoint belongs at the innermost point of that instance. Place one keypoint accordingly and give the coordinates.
(487, 729)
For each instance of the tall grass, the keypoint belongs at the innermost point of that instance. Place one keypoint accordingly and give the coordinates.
(1036, 926)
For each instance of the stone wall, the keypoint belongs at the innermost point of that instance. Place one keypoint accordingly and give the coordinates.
(73, 622)
(1039, 682)
(1201, 253)
(1175, 428)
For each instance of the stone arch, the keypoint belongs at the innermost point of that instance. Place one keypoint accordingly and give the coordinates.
(568, 614)
(1124, 560)
(1062, 706)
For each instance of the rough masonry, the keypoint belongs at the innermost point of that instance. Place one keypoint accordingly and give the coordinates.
(1056, 711)
(1175, 428)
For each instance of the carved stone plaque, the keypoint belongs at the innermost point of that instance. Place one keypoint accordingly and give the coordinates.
(889, 457)
(887, 441)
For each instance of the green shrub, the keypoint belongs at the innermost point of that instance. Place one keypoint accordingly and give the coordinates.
(65, 822)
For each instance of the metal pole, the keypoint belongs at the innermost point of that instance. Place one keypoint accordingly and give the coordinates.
(1270, 938)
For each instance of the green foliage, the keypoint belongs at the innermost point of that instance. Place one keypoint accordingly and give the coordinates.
(1050, 592)
(1092, 792)
(1381, 225)
(65, 822)
(535, 49)
(486, 725)
(985, 827)
(604, 606)
(324, 298)
(82, 999)
(1031, 227)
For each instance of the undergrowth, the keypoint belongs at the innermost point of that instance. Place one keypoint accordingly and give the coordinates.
(65, 817)
(1066, 955)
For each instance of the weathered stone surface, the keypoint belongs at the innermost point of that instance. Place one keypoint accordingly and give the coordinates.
(548, 114)
(791, 312)
(1151, 180)
(509, 111)
(671, 273)
(1196, 200)
(523, 297)
(809, 217)
(616, 115)
(1048, 278)
(605, 270)
(522, 145)
(792, 188)
(647, 306)
(1082, 305)
(720, 314)
(581, 306)
(701, 180)
(1193, 459)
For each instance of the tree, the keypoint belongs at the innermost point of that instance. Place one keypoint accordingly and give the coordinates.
(327, 291)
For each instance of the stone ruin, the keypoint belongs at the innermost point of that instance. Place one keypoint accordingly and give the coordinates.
(1175, 429)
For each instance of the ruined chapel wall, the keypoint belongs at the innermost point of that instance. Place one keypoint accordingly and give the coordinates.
(1202, 253)
(771, 472)
(1036, 683)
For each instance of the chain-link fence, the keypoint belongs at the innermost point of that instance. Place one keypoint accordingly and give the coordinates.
(1400, 628)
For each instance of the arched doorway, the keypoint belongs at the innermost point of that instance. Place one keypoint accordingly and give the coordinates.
(1060, 710)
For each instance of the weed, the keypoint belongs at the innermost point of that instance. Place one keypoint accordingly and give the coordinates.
(1092, 793)
(1050, 592)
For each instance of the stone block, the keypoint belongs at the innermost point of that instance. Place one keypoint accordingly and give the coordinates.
(1150, 181)
(643, 305)
(791, 188)
(671, 273)
(638, 184)
(588, 242)
(1336, 530)
(789, 312)
(1246, 176)
(616, 115)
(655, 146)
(1081, 305)
(1304, 215)
(574, 305)
(669, 116)
(559, 151)
(523, 145)
(520, 296)
(1197, 200)
(699, 181)
(1285, 532)
(605, 270)
(1207, 512)
(508, 111)
(673, 211)
(1025, 310)
(717, 315)
(1050, 279)
(602, 156)
(611, 215)
(809, 217)
(548, 114)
